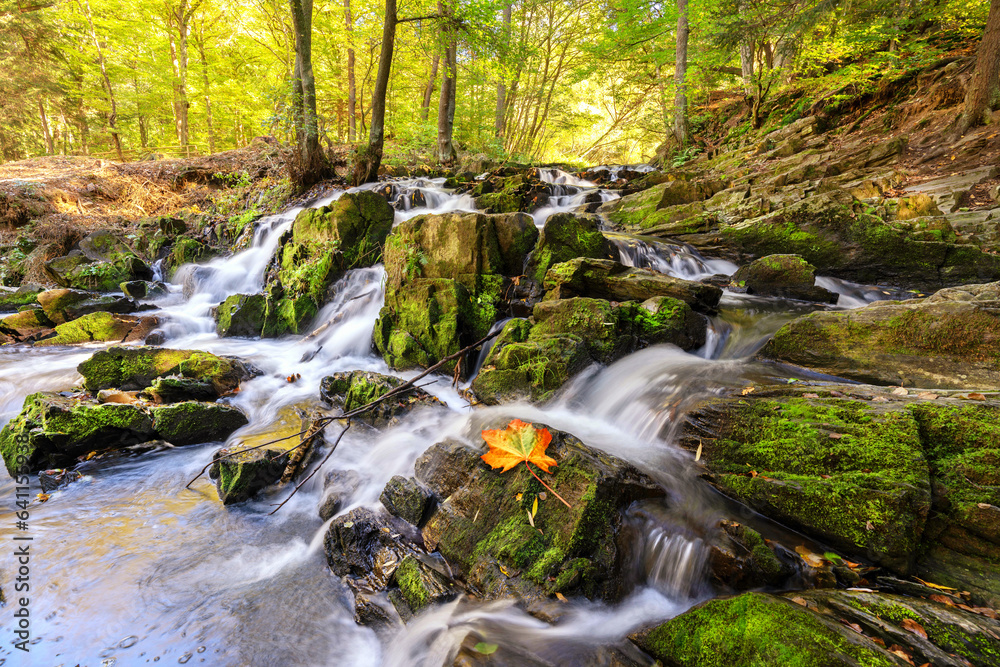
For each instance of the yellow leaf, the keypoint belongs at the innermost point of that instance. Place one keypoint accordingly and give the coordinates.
(811, 559)
(42, 497)
(534, 508)
(561, 597)
(748, 390)
(697, 454)
(937, 586)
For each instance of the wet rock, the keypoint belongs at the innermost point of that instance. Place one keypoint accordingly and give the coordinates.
(12, 300)
(566, 237)
(787, 276)
(421, 586)
(191, 422)
(407, 499)
(57, 478)
(338, 487)
(423, 322)
(323, 244)
(56, 302)
(52, 430)
(947, 340)
(852, 474)
(482, 527)
(101, 327)
(607, 279)
(242, 473)
(745, 561)
(175, 388)
(143, 289)
(242, 315)
(374, 610)
(76, 270)
(136, 368)
(362, 545)
(25, 324)
(353, 389)
(760, 629)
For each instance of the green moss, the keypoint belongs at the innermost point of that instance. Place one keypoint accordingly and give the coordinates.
(12, 300)
(756, 630)
(93, 327)
(411, 584)
(193, 422)
(422, 322)
(567, 237)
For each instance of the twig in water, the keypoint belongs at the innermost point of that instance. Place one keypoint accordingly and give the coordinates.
(314, 470)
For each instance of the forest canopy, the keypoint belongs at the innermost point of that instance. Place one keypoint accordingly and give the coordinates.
(585, 80)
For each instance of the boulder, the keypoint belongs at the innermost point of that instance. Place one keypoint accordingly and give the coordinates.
(362, 546)
(760, 629)
(12, 300)
(176, 388)
(481, 525)
(101, 327)
(406, 498)
(76, 270)
(338, 487)
(242, 315)
(56, 302)
(143, 289)
(787, 276)
(137, 367)
(322, 244)
(946, 341)
(25, 324)
(850, 473)
(566, 237)
(607, 279)
(53, 430)
(350, 390)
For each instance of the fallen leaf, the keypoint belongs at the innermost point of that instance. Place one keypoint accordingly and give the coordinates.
(937, 586)
(912, 626)
(832, 557)
(811, 559)
(986, 611)
(42, 497)
(976, 396)
(534, 507)
(519, 442)
(869, 526)
(927, 396)
(543, 496)
(748, 390)
(983, 506)
(853, 626)
(801, 601)
(941, 599)
(485, 649)
(810, 395)
(531, 519)
(518, 497)
(561, 597)
(836, 436)
(895, 649)
(753, 473)
(878, 641)
(880, 399)
(697, 454)
(899, 391)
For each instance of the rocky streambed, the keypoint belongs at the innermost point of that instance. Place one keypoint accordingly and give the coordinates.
(755, 463)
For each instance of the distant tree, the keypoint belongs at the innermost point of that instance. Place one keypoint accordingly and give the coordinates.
(682, 131)
(310, 163)
(983, 89)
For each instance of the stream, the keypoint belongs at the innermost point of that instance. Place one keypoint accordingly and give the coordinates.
(130, 568)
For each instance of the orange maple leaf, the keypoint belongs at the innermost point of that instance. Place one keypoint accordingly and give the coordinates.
(520, 441)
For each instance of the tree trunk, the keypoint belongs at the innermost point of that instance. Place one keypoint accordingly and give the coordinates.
(425, 105)
(682, 131)
(983, 87)
(367, 162)
(208, 100)
(352, 93)
(311, 165)
(501, 85)
(50, 146)
(113, 114)
(446, 103)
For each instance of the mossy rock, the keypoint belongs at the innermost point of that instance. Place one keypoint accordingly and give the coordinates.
(481, 524)
(80, 272)
(607, 279)
(353, 389)
(174, 388)
(950, 340)
(422, 586)
(11, 301)
(565, 237)
(850, 473)
(422, 322)
(100, 327)
(243, 315)
(130, 368)
(193, 422)
(758, 630)
(407, 499)
(52, 431)
(244, 473)
(56, 302)
(143, 289)
(787, 276)
(25, 323)
(356, 224)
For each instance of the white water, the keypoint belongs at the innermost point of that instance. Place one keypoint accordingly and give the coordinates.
(129, 567)
(566, 193)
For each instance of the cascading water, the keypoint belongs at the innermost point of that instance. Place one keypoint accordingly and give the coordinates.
(568, 193)
(162, 573)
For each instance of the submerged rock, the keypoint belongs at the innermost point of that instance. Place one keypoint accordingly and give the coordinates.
(353, 389)
(787, 276)
(946, 341)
